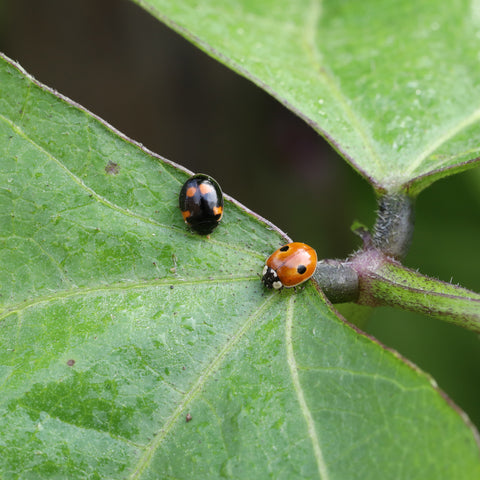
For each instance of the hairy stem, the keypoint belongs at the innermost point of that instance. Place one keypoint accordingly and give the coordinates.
(337, 280)
(385, 281)
(393, 229)
(374, 276)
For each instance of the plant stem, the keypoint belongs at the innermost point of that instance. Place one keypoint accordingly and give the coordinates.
(393, 229)
(337, 280)
(385, 281)
(374, 276)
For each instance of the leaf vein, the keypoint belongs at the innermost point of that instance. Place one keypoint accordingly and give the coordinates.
(65, 294)
(372, 376)
(195, 390)
(442, 139)
(313, 17)
(322, 467)
(104, 201)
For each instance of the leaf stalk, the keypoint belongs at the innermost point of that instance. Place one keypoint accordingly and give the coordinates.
(374, 276)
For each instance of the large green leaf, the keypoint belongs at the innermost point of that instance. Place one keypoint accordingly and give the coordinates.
(116, 322)
(393, 85)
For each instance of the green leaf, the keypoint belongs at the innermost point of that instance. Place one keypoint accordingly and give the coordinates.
(392, 85)
(116, 323)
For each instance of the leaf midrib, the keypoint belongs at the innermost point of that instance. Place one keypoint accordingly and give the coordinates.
(321, 465)
(311, 22)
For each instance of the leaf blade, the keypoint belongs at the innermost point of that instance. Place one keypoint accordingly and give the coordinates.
(385, 83)
(119, 322)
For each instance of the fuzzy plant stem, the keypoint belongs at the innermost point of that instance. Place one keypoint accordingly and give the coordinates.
(374, 275)
(393, 231)
(338, 281)
(385, 281)
(392, 236)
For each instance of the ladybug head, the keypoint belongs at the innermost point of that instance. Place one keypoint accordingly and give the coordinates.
(270, 278)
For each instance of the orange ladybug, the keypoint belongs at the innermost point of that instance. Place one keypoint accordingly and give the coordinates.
(289, 266)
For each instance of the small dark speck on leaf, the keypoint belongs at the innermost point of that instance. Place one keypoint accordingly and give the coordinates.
(71, 362)
(112, 168)
(172, 287)
(188, 417)
(184, 368)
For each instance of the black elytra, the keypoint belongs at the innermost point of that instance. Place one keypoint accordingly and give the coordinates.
(201, 203)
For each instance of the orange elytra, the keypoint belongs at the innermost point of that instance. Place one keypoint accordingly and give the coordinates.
(289, 266)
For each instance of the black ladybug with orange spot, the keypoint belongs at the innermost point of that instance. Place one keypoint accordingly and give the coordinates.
(201, 203)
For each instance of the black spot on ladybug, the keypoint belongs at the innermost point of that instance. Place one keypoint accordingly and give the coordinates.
(71, 362)
(112, 168)
(301, 269)
(284, 248)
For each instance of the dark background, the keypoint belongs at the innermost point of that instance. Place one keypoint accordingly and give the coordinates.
(125, 66)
